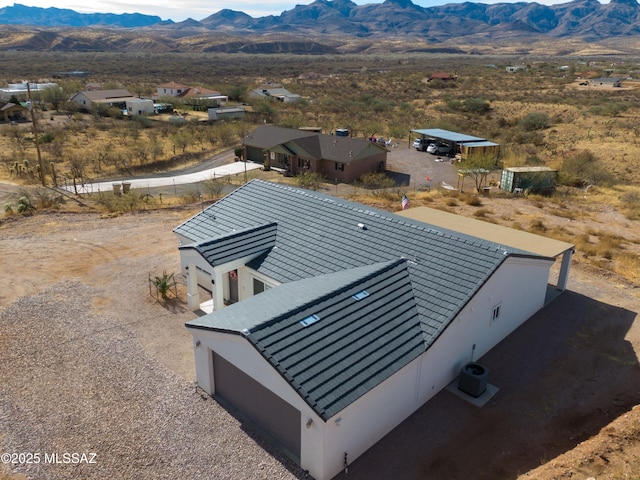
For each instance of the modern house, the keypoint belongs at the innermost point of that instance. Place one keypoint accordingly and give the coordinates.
(113, 98)
(342, 319)
(344, 159)
(274, 91)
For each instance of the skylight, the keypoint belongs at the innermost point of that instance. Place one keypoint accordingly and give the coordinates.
(360, 295)
(311, 319)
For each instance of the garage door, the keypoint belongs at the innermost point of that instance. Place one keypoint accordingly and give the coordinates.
(261, 405)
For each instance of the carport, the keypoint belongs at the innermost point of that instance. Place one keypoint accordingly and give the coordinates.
(446, 136)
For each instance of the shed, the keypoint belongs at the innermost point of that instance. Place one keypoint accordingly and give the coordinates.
(470, 149)
(225, 113)
(140, 106)
(534, 179)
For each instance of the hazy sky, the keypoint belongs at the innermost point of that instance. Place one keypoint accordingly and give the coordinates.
(200, 9)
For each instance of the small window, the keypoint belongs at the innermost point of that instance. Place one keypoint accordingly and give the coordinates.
(259, 286)
(496, 313)
(340, 166)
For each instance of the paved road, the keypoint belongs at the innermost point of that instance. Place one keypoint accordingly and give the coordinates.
(216, 167)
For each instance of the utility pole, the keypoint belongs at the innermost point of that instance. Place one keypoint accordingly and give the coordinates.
(35, 135)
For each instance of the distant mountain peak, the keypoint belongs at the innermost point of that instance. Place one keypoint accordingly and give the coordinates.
(401, 3)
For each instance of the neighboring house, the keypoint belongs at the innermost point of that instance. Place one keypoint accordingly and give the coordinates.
(225, 113)
(113, 98)
(443, 76)
(140, 106)
(606, 82)
(11, 112)
(274, 91)
(516, 68)
(349, 318)
(296, 151)
(192, 95)
(21, 90)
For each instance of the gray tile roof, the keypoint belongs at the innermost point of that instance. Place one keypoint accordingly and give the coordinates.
(366, 317)
(239, 244)
(311, 144)
(432, 272)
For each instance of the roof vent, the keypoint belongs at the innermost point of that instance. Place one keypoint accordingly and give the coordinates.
(311, 319)
(362, 226)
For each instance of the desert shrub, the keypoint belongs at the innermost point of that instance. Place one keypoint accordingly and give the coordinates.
(310, 180)
(631, 204)
(611, 109)
(537, 226)
(482, 212)
(213, 187)
(476, 106)
(585, 168)
(534, 161)
(534, 121)
(473, 200)
(376, 182)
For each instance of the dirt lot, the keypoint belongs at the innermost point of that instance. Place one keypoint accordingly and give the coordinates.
(93, 362)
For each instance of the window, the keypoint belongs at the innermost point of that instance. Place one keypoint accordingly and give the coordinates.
(259, 286)
(496, 313)
(340, 166)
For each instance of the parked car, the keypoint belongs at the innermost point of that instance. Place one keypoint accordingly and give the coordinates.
(439, 149)
(422, 143)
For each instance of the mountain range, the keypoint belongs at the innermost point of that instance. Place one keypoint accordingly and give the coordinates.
(313, 24)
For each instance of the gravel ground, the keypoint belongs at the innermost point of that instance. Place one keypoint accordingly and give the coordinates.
(76, 381)
(91, 363)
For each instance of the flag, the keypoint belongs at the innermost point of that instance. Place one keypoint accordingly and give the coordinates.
(405, 202)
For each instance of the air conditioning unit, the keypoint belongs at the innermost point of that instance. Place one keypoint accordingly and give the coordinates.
(473, 379)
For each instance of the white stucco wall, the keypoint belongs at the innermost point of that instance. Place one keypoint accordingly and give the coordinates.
(519, 287)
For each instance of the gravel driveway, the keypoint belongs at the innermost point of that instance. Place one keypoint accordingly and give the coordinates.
(92, 364)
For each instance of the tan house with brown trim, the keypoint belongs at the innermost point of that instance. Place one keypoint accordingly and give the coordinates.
(343, 159)
(189, 93)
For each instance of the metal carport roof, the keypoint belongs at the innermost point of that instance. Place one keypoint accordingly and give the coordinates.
(448, 135)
